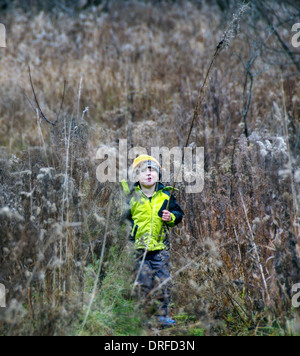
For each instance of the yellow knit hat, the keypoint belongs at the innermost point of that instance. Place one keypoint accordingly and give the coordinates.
(145, 158)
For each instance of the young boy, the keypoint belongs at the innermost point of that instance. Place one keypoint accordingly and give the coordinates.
(150, 223)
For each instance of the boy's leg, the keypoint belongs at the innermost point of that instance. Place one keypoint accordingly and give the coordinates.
(144, 276)
(161, 268)
(144, 286)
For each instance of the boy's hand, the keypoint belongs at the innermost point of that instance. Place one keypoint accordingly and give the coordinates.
(166, 216)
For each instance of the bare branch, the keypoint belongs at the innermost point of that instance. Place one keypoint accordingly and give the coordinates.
(264, 12)
(40, 112)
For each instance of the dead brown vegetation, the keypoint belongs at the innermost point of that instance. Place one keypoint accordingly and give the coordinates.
(138, 68)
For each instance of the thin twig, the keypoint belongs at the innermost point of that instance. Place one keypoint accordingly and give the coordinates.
(79, 97)
(99, 268)
(36, 100)
(38, 109)
(255, 249)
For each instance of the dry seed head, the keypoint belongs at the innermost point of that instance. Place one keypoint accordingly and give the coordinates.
(234, 27)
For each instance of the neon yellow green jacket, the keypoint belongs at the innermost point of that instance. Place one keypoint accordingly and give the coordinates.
(146, 216)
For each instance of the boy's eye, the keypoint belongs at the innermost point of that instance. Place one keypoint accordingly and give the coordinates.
(146, 169)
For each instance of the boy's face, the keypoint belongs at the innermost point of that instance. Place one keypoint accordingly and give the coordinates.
(147, 176)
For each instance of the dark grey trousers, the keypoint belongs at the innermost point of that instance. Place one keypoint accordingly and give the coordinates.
(151, 272)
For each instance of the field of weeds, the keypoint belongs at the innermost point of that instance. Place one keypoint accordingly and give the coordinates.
(133, 70)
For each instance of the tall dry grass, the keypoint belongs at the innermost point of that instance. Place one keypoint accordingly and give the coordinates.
(138, 70)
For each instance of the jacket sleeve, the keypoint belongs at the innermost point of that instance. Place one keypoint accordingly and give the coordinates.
(175, 210)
